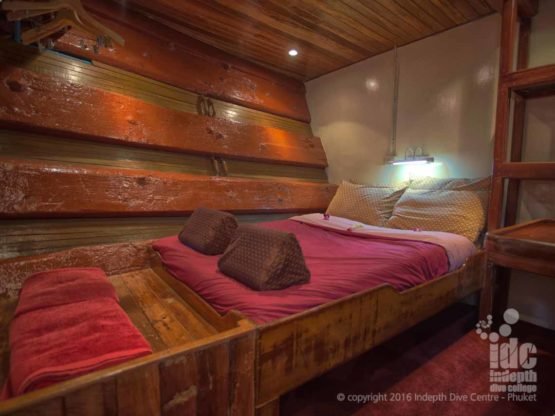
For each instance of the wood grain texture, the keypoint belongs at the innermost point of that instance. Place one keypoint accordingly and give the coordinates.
(35, 236)
(160, 53)
(328, 34)
(112, 258)
(212, 375)
(37, 189)
(526, 170)
(106, 77)
(297, 348)
(529, 246)
(532, 82)
(24, 145)
(46, 103)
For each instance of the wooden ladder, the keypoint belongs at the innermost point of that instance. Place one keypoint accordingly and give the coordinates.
(517, 83)
(521, 84)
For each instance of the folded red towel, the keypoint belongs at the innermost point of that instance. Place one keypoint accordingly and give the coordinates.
(57, 343)
(63, 286)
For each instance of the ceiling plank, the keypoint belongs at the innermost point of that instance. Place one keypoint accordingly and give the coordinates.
(329, 34)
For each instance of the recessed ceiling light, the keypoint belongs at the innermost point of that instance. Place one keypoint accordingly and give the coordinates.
(293, 52)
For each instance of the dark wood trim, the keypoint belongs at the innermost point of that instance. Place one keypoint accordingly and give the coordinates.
(519, 123)
(531, 81)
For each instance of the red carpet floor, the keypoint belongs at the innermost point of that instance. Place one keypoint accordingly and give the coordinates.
(442, 356)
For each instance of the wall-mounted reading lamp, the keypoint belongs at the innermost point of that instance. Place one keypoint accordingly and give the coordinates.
(413, 155)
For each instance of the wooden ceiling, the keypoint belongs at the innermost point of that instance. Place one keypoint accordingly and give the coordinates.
(329, 34)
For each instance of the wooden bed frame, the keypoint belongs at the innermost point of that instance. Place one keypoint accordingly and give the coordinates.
(252, 365)
(298, 348)
(207, 375)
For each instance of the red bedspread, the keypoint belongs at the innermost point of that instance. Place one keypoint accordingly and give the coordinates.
(340, 265)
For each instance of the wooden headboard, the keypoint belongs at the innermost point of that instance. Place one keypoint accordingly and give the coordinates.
(122, 145)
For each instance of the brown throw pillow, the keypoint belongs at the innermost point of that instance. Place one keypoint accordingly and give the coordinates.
(208, 231)
(264, 259)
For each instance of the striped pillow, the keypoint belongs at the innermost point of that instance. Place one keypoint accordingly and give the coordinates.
(370, 205)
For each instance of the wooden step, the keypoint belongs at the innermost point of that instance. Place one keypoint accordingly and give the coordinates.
(526, 170)
(532, 82)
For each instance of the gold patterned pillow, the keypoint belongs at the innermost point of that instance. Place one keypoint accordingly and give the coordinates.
(370, 205)
(451, 211)
(455, 184)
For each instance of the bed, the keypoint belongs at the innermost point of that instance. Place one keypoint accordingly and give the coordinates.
(367, 285)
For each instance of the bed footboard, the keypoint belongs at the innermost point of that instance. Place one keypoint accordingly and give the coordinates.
(212, 376)
(296, 349)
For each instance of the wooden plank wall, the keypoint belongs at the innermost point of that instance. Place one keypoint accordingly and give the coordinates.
(118, 146)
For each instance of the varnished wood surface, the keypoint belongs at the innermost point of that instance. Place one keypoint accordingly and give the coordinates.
(328, 34)
(99, 75)
(36, 236)
(297, 348)
(195, 369)
(7, 309)
(532, 82)
(38, 189)
(112, 258)
(46, 103)
(212, 376)
(529, 246)
(23, 145)
(158, 52)
(164, 319)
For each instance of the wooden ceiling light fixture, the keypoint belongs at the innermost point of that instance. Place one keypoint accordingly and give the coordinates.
(53, 17)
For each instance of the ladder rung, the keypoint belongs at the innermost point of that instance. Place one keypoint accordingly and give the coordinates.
(532, 82)
(526, 170)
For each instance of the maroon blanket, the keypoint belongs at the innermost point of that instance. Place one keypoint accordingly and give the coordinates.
(340, 265)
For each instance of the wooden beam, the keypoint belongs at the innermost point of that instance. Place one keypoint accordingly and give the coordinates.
(36, 236)
(157, 52)
(527, 170)
(112, 258)
(526, 8)
(110, 78)
(519, 124)
(532, 82)
(39, 189)
(39, 102)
